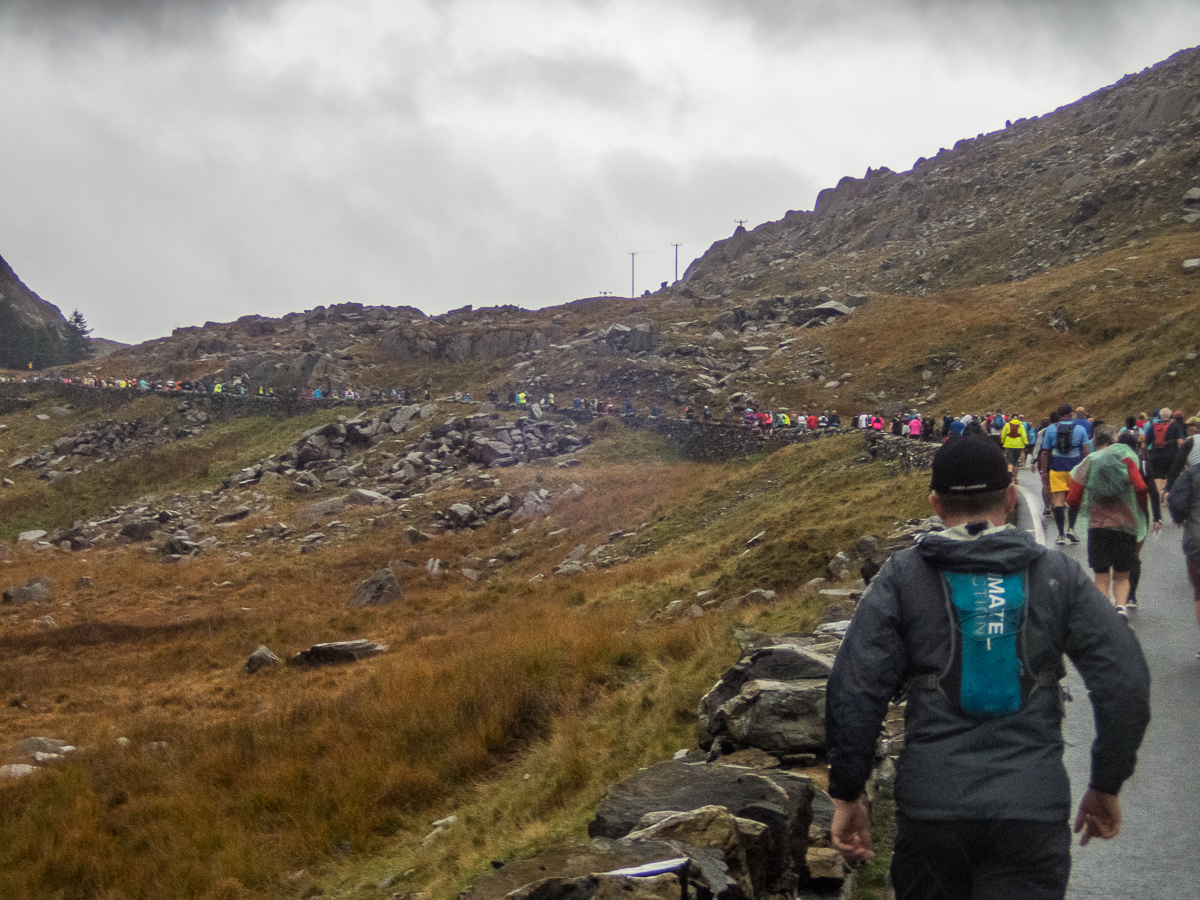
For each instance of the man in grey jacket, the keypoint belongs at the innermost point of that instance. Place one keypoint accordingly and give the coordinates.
(982, 796)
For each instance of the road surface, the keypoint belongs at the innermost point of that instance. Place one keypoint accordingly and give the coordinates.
(1156, 856)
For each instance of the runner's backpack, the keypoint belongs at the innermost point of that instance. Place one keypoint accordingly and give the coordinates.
(1160, 434)
(1064, 439)
(1014, 429)
(986, 676)
(1107, 478)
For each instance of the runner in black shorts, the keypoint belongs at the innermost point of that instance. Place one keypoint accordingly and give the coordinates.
(1111, 549)
(1108, 490)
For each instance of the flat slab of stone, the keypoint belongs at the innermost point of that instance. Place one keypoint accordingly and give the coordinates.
(564, 861)
(322, 508)
(337, 652)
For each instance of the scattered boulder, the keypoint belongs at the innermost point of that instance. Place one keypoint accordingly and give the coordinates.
(380, 588)
(37, 590)
(779, 800)
(773, 699)
(413, 536)
(743, 843)
(261, 658)
(140, 529)
(234, 515)
(323, 508)
(583, 870)
(337, 652)
(32, 746)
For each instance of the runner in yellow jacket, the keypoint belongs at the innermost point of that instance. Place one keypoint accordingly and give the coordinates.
(1015, 440)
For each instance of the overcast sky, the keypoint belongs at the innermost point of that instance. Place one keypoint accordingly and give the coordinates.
(168, 162)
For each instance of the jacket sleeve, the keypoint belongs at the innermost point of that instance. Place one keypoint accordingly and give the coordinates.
(1179, 463)
(1139, 485)
(1108, 656)
(1179, 500)
(866, 675)
(1078, 483)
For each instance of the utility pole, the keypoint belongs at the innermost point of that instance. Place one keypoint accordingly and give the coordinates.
(632, 278)
(676, 246)
(740, 222)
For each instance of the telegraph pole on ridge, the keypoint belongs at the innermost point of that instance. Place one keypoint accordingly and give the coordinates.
(632, 279)
(676, 246)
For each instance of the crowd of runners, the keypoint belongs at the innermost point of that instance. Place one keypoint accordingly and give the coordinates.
(1114, 477)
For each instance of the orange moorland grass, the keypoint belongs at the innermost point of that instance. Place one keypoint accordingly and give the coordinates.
(256, 776)
(231, 781)
(1132, 313)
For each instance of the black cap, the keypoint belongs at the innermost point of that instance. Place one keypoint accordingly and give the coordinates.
(971, 464)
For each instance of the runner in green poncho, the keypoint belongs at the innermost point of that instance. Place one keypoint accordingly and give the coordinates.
(1110, 494)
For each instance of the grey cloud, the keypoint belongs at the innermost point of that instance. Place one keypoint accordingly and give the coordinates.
(1000, 24)
(155, 20)
(605, 82)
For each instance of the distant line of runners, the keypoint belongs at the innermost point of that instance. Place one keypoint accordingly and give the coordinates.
(1116, 479)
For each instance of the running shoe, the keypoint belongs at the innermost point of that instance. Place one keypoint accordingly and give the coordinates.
(1131, 603)
(1123, 613)
(1071, 536)
(1060, 540)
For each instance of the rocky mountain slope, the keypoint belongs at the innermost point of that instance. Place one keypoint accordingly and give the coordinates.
(1119, 167)
(559, 591)
(32, 309)
(1042, 192)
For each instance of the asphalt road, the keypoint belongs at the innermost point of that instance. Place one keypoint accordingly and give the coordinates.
(1156, 855)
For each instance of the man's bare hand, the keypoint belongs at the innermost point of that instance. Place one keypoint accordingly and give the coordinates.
(1099, 816)
(852, 830)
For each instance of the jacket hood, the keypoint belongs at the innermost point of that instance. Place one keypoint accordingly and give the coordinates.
(1001, 551)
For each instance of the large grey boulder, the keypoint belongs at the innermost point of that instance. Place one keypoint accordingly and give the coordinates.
(234, 515)
(37, 590)
(744, 844)
(780, 801)
(337, 652)
(462, 515)
(602, 886)
(378, 589)
(140, 529)
(777, 716)
(322, 508)
(364, 497)
(262, 658)
(43, 745)
(784, 662)
(605, 868)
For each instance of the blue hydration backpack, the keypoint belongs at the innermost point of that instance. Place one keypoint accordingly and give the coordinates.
(987, 615)
(987, 675)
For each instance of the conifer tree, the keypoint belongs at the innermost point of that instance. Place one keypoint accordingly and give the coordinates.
(78, 346)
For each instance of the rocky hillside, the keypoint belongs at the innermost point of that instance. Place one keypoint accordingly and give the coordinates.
(32, 309)
(1117, 168)
(1043, 192)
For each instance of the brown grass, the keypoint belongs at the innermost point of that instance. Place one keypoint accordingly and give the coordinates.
(257, 777)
